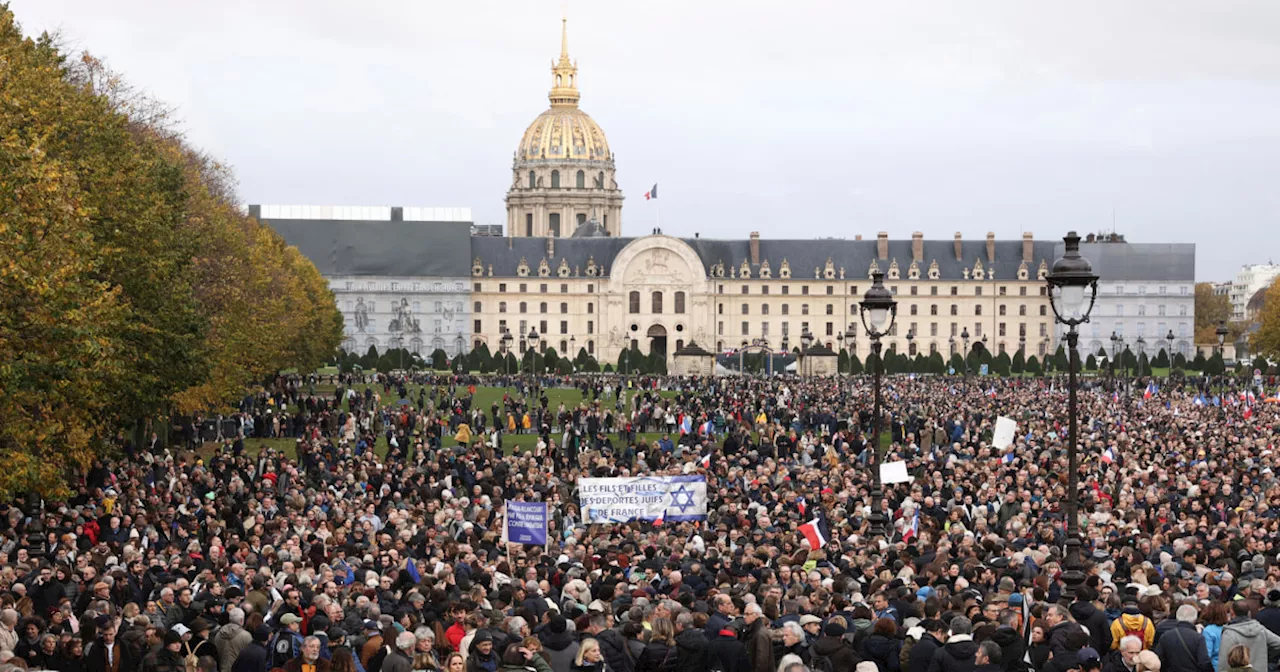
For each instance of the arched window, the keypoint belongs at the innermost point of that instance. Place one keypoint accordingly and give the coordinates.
(679, 344)
(634, 301)
(679, 303)
(502, 306)
(591, 347)
(477, 307)
(657, 303)
(601, 178)
(555, 179)
(582, 180)
(542, 307)
(532, 179)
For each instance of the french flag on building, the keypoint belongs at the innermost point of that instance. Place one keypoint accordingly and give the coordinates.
(1108, 455)
(816, 532)
(652, 193)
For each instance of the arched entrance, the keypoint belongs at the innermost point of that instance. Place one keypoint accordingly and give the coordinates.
(657, 339)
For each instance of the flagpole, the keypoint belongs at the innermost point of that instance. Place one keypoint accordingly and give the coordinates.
(658, 210)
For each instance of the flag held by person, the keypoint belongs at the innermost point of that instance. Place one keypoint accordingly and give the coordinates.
(1108, 455)
(817, 533)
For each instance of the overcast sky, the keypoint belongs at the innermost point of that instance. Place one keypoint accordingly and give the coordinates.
(798, 119)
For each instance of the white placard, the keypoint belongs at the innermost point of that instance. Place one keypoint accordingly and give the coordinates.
(1003, 436)
(894, 472)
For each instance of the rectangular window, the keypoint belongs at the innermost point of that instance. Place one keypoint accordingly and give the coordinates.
(1142, 309)
(831, 309)
(1003, 290)
(564, 326)
(786, 289)
(933, 291)
(720, 289)
(1142, 289)
(764, 329)
(1119, 310)
(475, 287)
(745, 329)
(746, 309)
(502, 286)
(591, 326)
(746, 289)
(1002, 328)
(542, 288)
(914, 290)
(955, 291)
(830, 326)
(591, 288)
(439, 326)
(786, 309)
(1163, 289)
(720, 328)
(1160, 309)
(437, 306)
(477, 328)
(502, 326)
(542, 327)
(1022, 291)
(764, 289)
(977, 291)
(786, 328)
(524, 288)
(1044, 329)
(830, 290)
(933, 328)
(977, 331)
(804, 289)
(564, 288)
(955, 331)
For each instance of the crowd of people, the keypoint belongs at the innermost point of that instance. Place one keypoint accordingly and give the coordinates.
(177, 555)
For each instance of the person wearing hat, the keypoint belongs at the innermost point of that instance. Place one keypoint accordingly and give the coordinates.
(558, 644)
(481, 657)
(167, 658)
(1269, 614)
(812, 626)
(287, 643)
(198, 643)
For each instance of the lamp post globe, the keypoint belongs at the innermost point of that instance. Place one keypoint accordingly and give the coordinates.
(1073, 289)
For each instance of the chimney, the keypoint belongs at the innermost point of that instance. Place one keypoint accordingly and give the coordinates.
(917, 247)
(991, 248)
(959, 252)
(551, 247)
(857, 236)
(1028, 247)
(882, 245)
(755, 248)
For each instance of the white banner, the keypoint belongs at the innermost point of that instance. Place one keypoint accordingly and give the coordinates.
(894, 472)
(620, 500)
(1002, 437)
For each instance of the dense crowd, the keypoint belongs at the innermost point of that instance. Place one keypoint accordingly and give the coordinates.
(184, 556)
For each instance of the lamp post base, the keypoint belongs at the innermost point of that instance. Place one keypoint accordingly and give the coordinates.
(1072, 574)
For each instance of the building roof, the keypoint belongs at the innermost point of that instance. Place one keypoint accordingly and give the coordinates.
(692, 349)
(1139, 262)
(381, 248)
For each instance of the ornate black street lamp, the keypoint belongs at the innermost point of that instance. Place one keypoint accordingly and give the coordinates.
(1073, 288)
(878, 311)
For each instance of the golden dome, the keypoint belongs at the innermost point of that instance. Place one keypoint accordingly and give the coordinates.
(564, 131)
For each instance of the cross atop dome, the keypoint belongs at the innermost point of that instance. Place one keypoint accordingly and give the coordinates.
(564, 83)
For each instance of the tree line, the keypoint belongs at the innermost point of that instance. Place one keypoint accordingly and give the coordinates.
(133, 286)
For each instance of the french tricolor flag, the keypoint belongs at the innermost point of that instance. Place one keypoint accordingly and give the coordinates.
(1115, 397)
(816, 532)
(686, 425)
(913, 528)
(1008, 458)
(1108, 455)
(802, 505)
(705, 461)
(652, 193)
(707, 429)
(1150, 391)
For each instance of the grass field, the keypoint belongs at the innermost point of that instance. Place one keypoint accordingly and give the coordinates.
(484, 398)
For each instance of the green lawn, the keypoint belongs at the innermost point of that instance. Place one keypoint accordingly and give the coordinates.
(484, 398)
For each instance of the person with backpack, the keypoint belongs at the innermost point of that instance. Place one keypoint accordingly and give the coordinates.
(287, 643)
(1132, 622)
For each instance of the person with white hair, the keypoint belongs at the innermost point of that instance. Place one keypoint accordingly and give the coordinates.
(231, 639)
(400, 657)
(1180, 645)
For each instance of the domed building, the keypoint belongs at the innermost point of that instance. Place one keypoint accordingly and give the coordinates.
(563, 171)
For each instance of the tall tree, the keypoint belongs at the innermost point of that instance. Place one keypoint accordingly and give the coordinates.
(1210, 309)
(1266, 341)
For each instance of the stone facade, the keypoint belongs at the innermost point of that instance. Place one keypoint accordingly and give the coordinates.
(418, 314)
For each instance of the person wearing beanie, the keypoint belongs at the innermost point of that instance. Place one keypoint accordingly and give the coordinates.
(1269, 614)
(167, 658)
(558, 644)
(831, 651)
(482, 657)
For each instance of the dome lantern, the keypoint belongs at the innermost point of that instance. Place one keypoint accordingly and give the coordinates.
(564, 73)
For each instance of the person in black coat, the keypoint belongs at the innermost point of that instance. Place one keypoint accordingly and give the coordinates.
(691, 644)
(96, 659)
(660, 654)
(882, 646)
(726, 653)
(921, 654)
(254, 656)
(1013, 649)
(1181, 648)
(1090, 616)
(957, 655)
(831, 646)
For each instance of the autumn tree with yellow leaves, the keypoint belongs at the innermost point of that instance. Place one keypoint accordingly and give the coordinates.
(131, 282)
